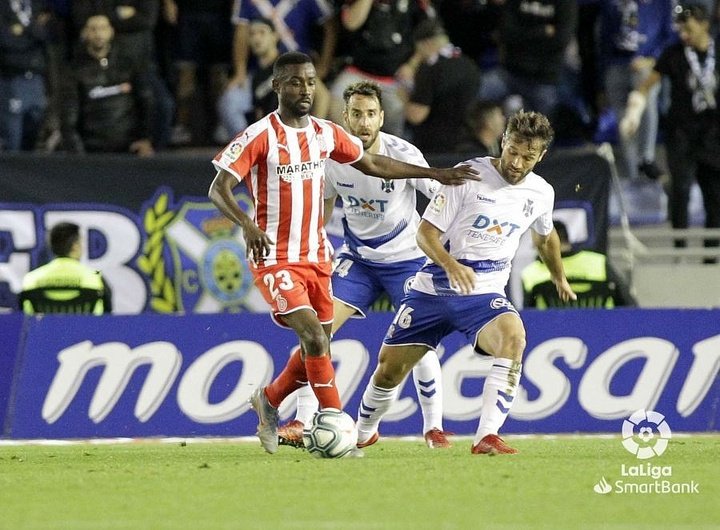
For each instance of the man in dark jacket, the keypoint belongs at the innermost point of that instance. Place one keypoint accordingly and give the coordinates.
(446, 84)
(533, 39)
(109, 102)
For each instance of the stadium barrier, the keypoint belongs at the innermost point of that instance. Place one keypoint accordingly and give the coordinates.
(191, 375)
(164, 248)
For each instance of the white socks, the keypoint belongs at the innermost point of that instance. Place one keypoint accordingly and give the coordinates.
(428, 383)
(498, 394)
(307, 405)
(375, 403)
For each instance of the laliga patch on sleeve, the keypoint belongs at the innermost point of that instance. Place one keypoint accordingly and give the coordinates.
(438, 203)
(233, 151)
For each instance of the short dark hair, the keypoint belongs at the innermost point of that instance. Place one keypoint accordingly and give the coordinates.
(686, 11)
(287, 59)
(62, 238)
(363, 88)
(530, 126)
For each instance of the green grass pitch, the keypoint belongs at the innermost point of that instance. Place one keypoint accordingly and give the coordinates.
(398, 485)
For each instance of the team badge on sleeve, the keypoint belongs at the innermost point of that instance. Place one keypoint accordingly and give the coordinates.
(438, 203)
(233, 151)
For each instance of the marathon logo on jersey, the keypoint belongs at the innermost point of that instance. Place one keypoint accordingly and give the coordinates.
(301, 171)
(100, 92)
(438, 203)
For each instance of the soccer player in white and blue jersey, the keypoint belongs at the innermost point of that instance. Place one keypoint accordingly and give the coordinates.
(379, 254)
(470, 234)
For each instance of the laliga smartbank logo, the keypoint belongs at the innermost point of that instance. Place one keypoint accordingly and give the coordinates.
(645, 435)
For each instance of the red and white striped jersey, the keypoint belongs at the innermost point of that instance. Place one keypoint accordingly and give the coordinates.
(284, 171)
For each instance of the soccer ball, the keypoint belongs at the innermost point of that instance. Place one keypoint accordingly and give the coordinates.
(332, 434)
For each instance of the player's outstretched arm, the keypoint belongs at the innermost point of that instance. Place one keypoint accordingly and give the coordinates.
(461, 277)
(549, 249)
(257, 243)
(389, 168)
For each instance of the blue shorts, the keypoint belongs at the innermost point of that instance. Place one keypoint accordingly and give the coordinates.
(426, 319)
(358, 283)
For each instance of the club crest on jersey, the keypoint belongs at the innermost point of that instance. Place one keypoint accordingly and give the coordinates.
(387, 185)
(528, 208)
(438, 203)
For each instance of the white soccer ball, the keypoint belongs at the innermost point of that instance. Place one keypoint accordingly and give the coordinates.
(332, 434)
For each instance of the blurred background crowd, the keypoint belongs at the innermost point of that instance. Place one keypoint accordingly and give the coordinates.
(144, 76)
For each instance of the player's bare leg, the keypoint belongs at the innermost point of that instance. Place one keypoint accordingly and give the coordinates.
(504, 339)
(394, 364)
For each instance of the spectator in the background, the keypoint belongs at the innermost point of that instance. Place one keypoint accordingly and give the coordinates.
(297, 24)
(446, 83)
(486, 124)
(23, 100)
(134, 24)
(632, 35)
(236, 103)
(693, 122)
(595, 282)
(380, 49)
(203, 40)
(533, 39)
(107, 100)
(588, 51)
(473, 25)
(58, 49)
(66, 271)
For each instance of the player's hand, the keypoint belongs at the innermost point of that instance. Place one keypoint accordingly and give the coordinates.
(564, 290)
(456, 175)
(461, 277)
(257, 242)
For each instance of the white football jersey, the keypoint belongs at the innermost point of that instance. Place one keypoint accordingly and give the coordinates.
(380, 221)
(482, 222)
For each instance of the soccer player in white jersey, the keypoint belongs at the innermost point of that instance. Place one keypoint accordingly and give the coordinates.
(379, 254)
(470, 234)
(281, 158)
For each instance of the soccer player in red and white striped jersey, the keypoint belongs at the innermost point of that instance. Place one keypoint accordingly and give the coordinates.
(281, 159)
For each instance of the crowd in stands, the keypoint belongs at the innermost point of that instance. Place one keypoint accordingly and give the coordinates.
(143, 76)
